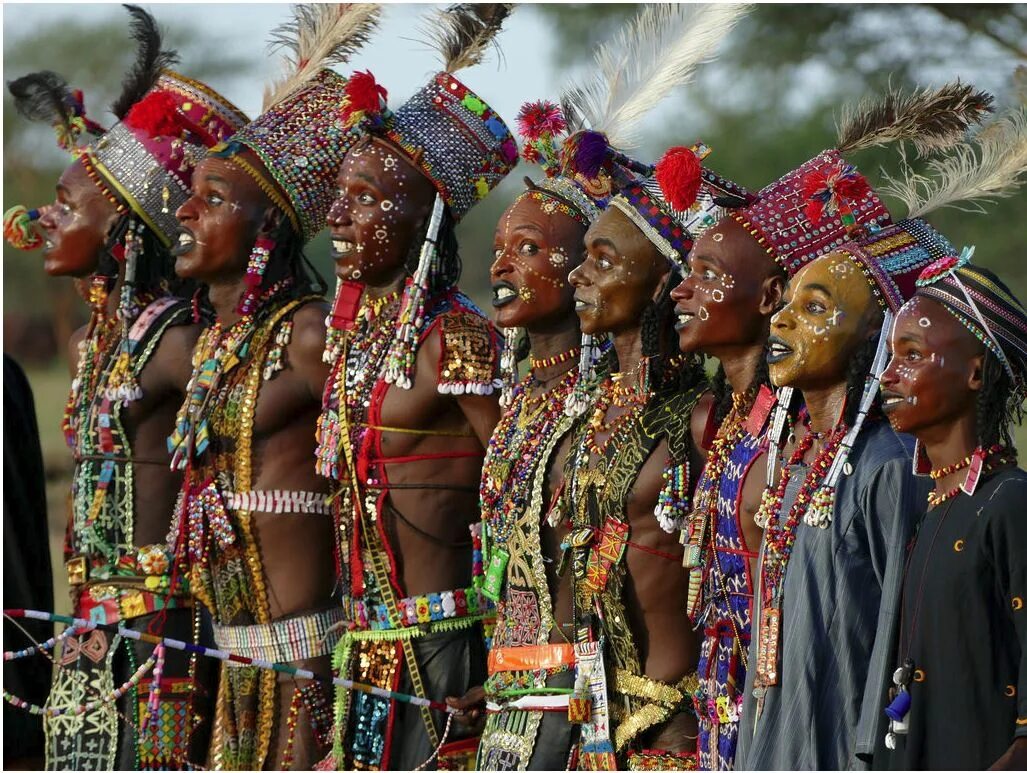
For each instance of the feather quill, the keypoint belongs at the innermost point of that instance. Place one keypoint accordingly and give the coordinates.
(463, 33)
(151, 60)
(932, 119)
(992, 167)
(319, 35)
(659, 51)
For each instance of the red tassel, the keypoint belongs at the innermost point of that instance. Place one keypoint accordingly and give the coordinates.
(679, 175)
(537, 120)
(363, 96)
(157, 115)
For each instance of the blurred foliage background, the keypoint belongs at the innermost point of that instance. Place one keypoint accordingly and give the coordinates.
(767, 104)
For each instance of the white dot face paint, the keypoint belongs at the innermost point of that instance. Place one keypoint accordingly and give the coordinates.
(924, 322)
(703, 313)
(718, 237)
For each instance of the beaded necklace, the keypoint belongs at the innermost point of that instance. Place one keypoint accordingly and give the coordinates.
(780, 537)
(995, 456)
(610, 392)
(698, 538)
(556, 359)
(217, 352)
(512, 462)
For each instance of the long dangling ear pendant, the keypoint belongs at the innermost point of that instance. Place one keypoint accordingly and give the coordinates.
(508, 365)
(262, 249)
(973, 474)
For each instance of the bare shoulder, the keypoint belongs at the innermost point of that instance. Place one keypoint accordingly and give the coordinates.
(704, 407)
(173, 356)
(308, 332)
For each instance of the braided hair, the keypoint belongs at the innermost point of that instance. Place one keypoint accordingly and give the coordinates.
(856, 375)
(997, 410)
(448, 248)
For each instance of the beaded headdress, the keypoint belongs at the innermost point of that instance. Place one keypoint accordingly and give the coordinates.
(451, 135)
(144, 163)
(299, 139)
(825, 202)
(658, 51)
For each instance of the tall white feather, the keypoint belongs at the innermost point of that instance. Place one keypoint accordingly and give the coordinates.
(990, 167)
(318, 35)
(659, 51)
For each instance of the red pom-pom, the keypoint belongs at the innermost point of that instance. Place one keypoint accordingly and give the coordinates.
(363, 96)
(537, 120)
(813, 183)
(679, 175)
(157, 114)
(851, 187)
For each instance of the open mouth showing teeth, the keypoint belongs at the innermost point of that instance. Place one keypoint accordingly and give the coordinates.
(502, 294)
(890, 401)
(580, 304)
(342, 247)
(185, 242)
(777, 351)
(683, 318)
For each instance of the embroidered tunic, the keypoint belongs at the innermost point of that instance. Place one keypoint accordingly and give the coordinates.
(429, 645)
(727, 616)
(839, 599)
(964, 626)
(513, 508)
(114, 580)
(625, 702)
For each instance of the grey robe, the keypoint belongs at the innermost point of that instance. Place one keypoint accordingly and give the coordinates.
(841, 587)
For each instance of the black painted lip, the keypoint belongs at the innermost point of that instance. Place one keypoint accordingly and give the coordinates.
(500, 302)
(775, 358)
(177, 248)
(886, 395)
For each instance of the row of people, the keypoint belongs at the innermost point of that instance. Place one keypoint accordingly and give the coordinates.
(368, 488)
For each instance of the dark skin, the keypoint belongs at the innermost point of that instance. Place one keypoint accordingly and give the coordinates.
(221, 221)
(724, 306)
(76, 228)
(382, 202)
(534, 251)
(622, 272)
(929, 390)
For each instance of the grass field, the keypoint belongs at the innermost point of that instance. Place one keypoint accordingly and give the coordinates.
(50, 388)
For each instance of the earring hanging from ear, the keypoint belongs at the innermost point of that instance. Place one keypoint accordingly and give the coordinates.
(577, 400)
(508, 365)
(121, 382)
(255, 268)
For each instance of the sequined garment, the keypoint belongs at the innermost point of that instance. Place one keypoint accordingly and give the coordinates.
(381, 648)
(217, 546)
(595, 498)
(112, 579)
(727, 615)
(513, 507)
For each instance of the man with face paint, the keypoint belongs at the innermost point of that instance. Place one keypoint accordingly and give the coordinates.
(409, 406)
(537, 243)
(840, 516)
(111, 226)
(628, 482)
(956, 381)
(254, 532)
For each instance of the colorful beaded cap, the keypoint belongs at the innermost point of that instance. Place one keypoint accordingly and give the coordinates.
(985, 306)
(456, 140)
(811, 211)
(146, 161)
(301, 142)
(893, 257)
(673, 210)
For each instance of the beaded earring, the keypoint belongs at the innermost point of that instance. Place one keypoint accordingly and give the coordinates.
(399, 363)
(577, 400)
(508, 365)
(255, 269)
(122, 384)
(776, 435)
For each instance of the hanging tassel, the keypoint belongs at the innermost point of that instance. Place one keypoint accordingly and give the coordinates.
(508, 365)
(400, 361)
(153, 702)
(578, 400)
(255, 268)
(18, 230)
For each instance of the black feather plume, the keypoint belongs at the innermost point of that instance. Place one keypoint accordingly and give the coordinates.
(42, 96)
(463, 33)
(151, 59)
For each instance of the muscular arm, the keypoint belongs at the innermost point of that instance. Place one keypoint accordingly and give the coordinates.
(306, 347)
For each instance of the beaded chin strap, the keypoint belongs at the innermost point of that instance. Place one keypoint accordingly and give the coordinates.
(964, 258)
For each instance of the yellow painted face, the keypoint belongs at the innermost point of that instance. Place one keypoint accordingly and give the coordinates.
(828, 312)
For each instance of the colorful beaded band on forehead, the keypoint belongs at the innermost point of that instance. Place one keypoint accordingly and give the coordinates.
(884, 290)
(268, 187)
(549, 203)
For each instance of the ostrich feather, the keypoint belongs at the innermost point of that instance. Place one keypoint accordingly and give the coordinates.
(319, 35)
(658, 51)
(992, 167)
(463, 33)
(932, 119)
(151, 60)
(42, 96)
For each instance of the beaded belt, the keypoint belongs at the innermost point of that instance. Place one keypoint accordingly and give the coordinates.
(109, 604)
(278, 501)
(283, 641)
(417, 610)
